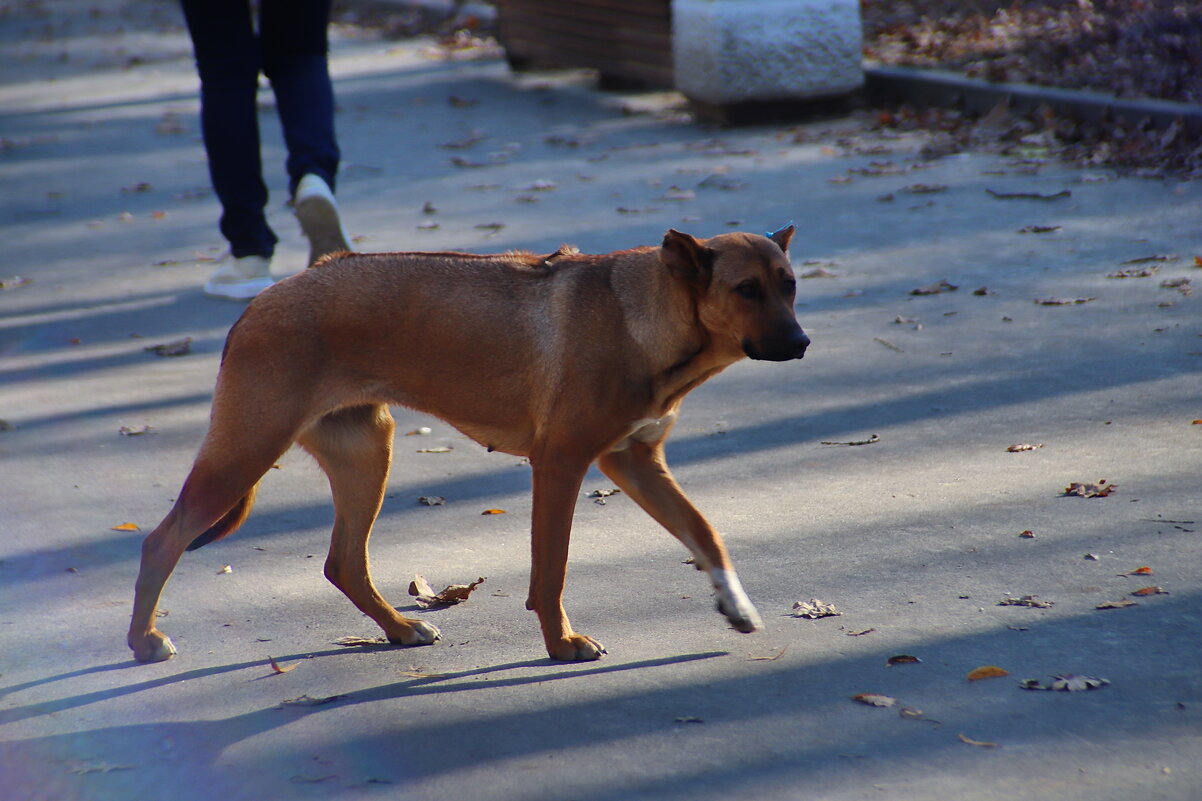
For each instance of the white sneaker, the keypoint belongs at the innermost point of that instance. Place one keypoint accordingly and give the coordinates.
(317, 212)
(240, 279)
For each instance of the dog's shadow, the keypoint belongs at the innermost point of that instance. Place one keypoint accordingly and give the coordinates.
(141, 753)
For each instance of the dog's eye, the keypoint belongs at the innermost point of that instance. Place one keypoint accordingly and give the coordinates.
(749, 290)
(789, 286)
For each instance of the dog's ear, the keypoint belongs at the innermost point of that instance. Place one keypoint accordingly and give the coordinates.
(686, 257)
(783, 237)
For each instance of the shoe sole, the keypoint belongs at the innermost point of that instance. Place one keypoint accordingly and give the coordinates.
(240, 290)
(318, 218)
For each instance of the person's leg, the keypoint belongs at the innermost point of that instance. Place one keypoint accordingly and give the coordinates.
(293, 35)
(227, 60)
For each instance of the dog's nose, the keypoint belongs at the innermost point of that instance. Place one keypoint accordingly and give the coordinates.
(800, 343)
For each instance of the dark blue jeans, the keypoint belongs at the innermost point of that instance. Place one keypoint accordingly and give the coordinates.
(290, 48)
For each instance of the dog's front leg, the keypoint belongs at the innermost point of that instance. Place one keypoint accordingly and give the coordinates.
(556, 487)
(640, 471)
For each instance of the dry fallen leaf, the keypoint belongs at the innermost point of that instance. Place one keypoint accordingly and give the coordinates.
(818, 272)
(1144, 592)
(1100, 489)
(1027, 535)
(1025, 600)
(871, 440)
(1028, 195)
(1066, 683)
(225, 569)
(814, 609)
(902, 659)
(432, 500)
(308, 700)
(84, 768)
(1158, 257)
(977, 743)
(936, 288)
(125, 527)
(987, 672)
(350, 642)
(874, 699)
(771, 658)
(452, 594)
(179, 347)
(440, 449)
(1024, 447)
(494, 512)
(1062, 301)
(910, 713)
(1123, 604)
(1038, 229)
(276, 668)
(14, 282)
(1135, 272)
(1139, 571)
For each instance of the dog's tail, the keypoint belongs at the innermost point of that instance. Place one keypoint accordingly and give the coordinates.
(229, 522)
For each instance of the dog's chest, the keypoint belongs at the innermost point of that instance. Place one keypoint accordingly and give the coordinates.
(647, 429)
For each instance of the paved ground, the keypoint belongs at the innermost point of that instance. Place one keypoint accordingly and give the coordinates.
(915, 537)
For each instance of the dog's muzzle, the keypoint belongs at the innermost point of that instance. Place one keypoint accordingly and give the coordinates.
(781, 349)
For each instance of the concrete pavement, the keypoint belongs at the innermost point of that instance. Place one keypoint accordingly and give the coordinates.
(107, 219)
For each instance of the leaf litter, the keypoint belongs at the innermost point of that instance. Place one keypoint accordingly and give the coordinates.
(987, 672)
(1069, 682)
(936, 288)
(815, 609)
(978, 743)
(1098, 489)
(453, 594)
(875, 699)
(179, 347)
(308, 700)
(1029, 601)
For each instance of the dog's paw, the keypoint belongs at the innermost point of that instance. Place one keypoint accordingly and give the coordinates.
(742, 617)
(418, 632)
(734, 603)
(154, 647)
(576, 648)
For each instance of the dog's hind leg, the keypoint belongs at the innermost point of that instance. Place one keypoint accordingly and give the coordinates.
(354, 447)
(640, 471)
(215, 499)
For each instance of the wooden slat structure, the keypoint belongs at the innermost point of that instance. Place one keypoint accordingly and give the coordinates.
(627, 41)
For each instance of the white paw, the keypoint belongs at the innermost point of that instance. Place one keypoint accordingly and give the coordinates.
(426, 632)
(155, 648)
(734, 603)
(420, 633)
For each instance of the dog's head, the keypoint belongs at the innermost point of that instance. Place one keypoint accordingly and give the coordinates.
(745, 288)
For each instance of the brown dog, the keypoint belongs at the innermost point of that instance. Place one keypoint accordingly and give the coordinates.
(567, 359)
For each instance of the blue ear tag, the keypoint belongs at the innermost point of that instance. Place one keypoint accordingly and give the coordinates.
(771, 234)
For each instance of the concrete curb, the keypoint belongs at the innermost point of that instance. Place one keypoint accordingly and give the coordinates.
(943, 88)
